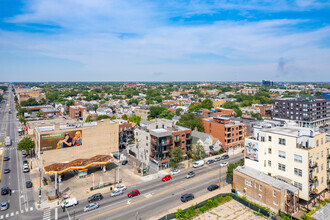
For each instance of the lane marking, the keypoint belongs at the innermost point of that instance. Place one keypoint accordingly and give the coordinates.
(56, 214)
(12, 214)
(155, 195)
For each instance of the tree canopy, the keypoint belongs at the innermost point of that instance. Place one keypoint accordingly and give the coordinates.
(26, 144)
(176, 156)
(192, 121)
(160, 112)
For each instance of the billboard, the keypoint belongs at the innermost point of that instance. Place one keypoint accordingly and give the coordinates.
(251, 150)
(60, 140)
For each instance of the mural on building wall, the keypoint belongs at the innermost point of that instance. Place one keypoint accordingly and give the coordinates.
(251, 150)
(60, 140)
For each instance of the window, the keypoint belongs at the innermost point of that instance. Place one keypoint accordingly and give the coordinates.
(281, 154)
(156, 126)
(270, 138)
(298, 158)
(260, 196)
(321, 179)
(147, 138)
(137, 134)
(322, 166)
(321, 153)
(269, 151)
(264, 163)
(274, 193)
(281, 167)
(269, 163)
(182, 135)
(321, 140)
(248, 182)
(317, 143)
(275, 203)
(260, 187)
(255, 185)
(298, 185)
(183, 142)
(297, 172)
(281, 141)
(317, 156)
(262, 138)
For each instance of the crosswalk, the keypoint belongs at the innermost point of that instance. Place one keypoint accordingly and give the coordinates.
(11, 214)
(47, 214)
(9, 148)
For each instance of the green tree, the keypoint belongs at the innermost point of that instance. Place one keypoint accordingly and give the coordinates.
(192, 121)
(160, 112)
(178, 111)
(100, 117)
(207, 103)
(22, 120)
(124, 117)
(70, 103)
(30, 102)
(26, 144)
(230, 105)
(135, 119)
(176, 156)
(238, 112)
(233, 166)
(197, 152)
(179, 214)
(39, 114)
(96, 106)
(88, 118)
(133, 101)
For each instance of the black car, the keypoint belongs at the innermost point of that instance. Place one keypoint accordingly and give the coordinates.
(226, 156)
(210, 161)
(7, 170)
(6, 158)
(95, 197)
(124, 162)
(5, 190)
(25, 162)
(212, 187)
(187, 197)
(28, 184)
(24, 155)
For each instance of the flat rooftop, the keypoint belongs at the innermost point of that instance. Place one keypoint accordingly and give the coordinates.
(278, 184)
(291, 131)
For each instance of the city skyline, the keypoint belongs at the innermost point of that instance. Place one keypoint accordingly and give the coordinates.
(164, 41)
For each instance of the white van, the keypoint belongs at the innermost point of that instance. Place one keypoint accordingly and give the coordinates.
(198, 163)
(8, 141)
(69, 202)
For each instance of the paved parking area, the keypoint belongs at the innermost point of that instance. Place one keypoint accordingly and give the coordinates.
(229, 210)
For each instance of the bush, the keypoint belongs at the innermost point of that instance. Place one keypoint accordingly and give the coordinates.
(179, 214)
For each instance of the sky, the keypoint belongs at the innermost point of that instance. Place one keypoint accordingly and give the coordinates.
(157, 40)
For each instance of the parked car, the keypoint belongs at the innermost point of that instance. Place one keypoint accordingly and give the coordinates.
(24, 155)
(5, 190)
(28, 184)
(190, 174)
(91, 206)
(210, 161)
(198, 163)
(226, 156)
(26, 169)
(133, 193)
(217, 159)
(124, 162)
(121, 187)
(187, 197)
(25, 162)
(7, 170)
(4, 206)
(176, 171)
(6, 158)
(223, 164)
(166, 178)
(116, 193)
(25, 166)
(69, 202)
(95, 197)
(212, 187)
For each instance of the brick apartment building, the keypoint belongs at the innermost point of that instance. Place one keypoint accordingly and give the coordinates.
(157, 139)
(306, 112)
(77, 112)
(231, 133)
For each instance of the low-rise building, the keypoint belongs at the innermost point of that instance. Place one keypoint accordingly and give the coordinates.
(143, 112)
(77, 112)
(211, 145)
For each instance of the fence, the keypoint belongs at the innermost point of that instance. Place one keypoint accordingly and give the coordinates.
(234, 196)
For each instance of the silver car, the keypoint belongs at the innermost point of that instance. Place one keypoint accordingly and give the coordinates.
(116, 193)
(4, 206)
(120, 187)
(91, 206)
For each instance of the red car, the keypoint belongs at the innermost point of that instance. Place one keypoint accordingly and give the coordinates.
(167, 177)
(133, 193)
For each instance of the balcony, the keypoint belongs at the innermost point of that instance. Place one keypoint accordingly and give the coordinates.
(188, 138)
(312, 179)
(312, 165)
(161, 144)
(176, 140)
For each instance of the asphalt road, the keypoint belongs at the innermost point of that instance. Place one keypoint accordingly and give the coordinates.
(156, 196)
(21, 204)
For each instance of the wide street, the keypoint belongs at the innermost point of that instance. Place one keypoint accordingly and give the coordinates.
(21, 201)
(156, 196)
